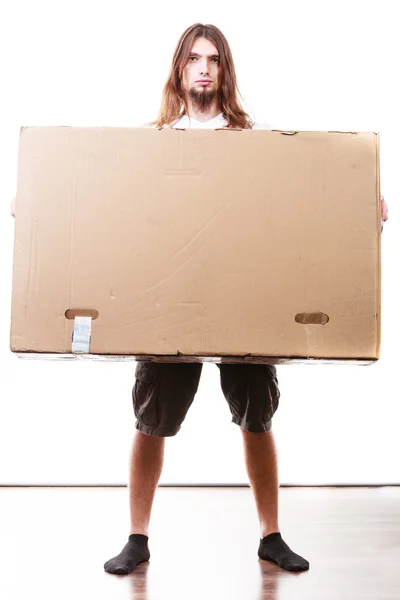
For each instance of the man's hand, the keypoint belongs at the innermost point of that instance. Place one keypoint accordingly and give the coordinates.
(384, 209)
(12, 208)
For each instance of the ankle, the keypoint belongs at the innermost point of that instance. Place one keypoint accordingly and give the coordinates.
(268, 530)
(139, 530)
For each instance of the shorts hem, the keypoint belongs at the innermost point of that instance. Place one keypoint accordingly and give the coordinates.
(263, 428)
(156, 431)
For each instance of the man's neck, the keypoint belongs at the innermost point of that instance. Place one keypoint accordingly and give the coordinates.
(196, 114)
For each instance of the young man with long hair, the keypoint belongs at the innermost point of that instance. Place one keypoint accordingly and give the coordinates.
(201, 91)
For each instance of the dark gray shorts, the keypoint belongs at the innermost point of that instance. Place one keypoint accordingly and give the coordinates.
(163, 393)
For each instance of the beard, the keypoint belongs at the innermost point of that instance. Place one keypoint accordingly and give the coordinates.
(202, 99)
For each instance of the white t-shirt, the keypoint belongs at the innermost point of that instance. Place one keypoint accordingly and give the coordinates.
(217, 122)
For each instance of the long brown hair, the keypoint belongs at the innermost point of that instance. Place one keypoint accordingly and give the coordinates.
(173, 103)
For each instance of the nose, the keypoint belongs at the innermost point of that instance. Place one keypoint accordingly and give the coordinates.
(203, 67)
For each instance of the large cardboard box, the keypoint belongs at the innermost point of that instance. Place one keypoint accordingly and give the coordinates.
(197, 244)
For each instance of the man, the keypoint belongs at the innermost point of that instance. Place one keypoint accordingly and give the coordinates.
(201, 91)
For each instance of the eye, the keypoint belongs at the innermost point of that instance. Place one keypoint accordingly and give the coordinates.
(192, 58)
(215, 59)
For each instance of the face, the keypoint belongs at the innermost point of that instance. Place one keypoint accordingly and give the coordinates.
(202, 73)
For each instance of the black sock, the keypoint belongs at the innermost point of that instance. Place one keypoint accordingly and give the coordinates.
(272, 547)
(135, 552)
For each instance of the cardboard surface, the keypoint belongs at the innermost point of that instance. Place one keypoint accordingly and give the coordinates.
(198, 244)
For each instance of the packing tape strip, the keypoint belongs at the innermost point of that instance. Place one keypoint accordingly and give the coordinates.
(81, 335)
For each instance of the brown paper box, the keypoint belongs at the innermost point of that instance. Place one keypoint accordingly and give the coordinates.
(198, 244)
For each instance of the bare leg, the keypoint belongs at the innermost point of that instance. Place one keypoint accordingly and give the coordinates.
(262, 468)
(146, 463)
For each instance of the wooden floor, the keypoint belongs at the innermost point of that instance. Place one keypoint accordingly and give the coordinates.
(203, 541)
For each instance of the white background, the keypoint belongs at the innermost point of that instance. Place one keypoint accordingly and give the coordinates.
(301, 65)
